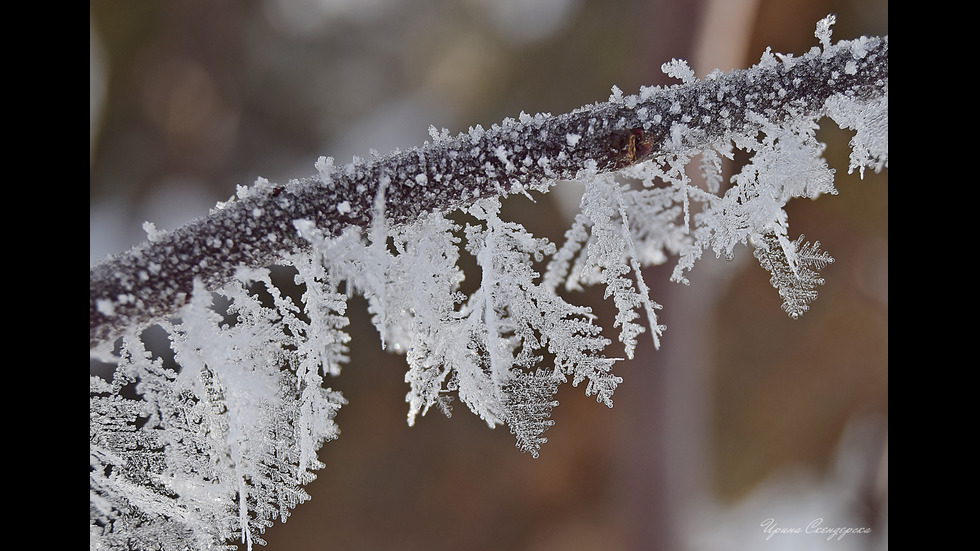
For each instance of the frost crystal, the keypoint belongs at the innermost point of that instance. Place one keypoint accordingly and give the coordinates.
(610, 254)
(794, 270)
(152, 233)
(825, 30)
(679, 69)
(869, 146)
(225, 445)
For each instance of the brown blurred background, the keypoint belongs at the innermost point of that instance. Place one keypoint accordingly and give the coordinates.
(743, 415)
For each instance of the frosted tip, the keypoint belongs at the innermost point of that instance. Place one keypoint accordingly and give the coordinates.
(824, 30)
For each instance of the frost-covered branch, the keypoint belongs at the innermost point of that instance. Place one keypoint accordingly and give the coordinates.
(154, 279)
(219, 448)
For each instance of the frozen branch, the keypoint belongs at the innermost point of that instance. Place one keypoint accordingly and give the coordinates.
(154, 279)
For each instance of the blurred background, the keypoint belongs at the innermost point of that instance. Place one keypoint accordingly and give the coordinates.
(743, 414)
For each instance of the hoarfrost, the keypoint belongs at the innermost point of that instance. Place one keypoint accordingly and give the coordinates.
(679, 69)
(216, 450)
(869, 146)
(825, 30)
(152, 233)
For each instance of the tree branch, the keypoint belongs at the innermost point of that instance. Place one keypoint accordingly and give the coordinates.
(154, 279)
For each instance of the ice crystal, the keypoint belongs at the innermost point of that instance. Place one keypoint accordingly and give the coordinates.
(794, 270)
(219, 449)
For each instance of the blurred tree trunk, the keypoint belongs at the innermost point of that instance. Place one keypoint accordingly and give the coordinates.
(665, 454)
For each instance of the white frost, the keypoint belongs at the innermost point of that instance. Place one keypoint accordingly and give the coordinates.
(825, 30)
(152, 233)
(616, 96)
(679, 69)
(105, 306)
